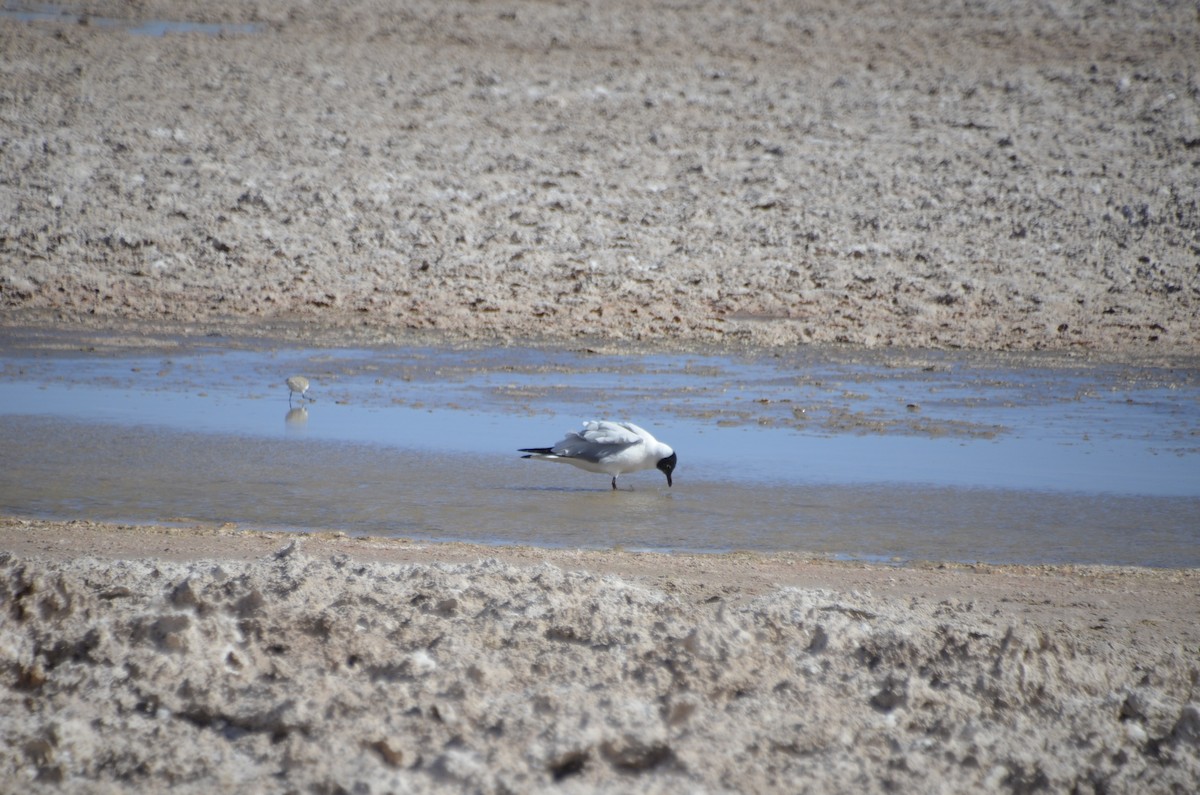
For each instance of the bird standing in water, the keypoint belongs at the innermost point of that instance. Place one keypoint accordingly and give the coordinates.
(611, 448)
(297, 385)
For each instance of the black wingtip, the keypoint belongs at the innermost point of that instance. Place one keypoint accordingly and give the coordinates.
(536, 451)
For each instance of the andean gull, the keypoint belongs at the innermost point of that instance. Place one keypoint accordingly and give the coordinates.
(613, 448)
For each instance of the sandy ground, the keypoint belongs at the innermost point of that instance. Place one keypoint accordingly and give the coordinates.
(996, 176)
(212, 659)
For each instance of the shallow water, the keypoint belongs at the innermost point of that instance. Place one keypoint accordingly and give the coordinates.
(55, 13)
(882, 457)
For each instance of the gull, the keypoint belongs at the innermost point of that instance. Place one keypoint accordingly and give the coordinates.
(612, 448)
(297, 385)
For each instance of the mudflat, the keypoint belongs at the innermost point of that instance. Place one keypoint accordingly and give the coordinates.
(993, 176)
(205, 657)
(976, 175)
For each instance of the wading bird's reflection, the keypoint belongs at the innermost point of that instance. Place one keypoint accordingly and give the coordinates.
(296, 419)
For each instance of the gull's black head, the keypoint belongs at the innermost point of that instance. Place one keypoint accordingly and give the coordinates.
(666, 466)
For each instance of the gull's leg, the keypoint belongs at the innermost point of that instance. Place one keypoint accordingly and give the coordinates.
(614, 482)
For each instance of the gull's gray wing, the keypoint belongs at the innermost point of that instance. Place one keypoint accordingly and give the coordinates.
(598, 440)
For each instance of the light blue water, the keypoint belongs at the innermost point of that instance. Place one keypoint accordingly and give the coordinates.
(932, 458)
(52, 12)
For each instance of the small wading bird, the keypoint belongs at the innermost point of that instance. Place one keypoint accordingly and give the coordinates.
(612, 448)
(297, 385)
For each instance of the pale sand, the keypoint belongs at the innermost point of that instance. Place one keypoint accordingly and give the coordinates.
(994, 176)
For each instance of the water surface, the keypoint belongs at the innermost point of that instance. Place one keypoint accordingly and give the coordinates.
(896, 457)
(56, 13)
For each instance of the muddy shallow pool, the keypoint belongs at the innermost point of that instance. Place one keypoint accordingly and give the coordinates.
(889, 457)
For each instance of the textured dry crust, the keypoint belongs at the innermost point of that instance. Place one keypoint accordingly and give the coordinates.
(202, 660)
(995, 175)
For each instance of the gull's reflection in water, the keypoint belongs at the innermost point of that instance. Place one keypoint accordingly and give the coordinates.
(296, 419)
